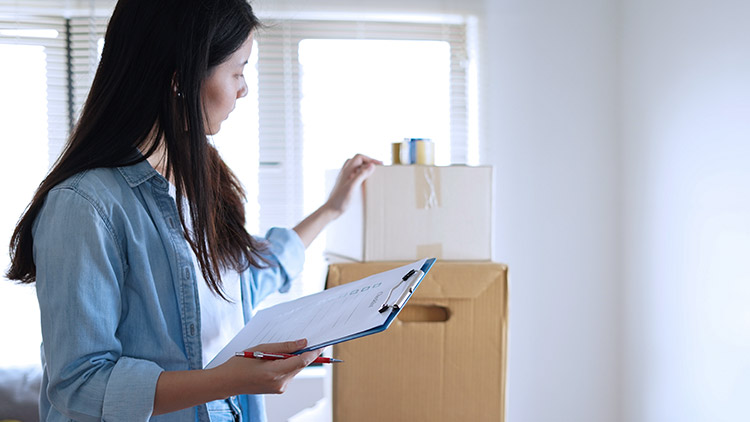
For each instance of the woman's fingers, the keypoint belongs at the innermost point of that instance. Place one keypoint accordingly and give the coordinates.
(354, 171)
(283, 347)
(360, 160)
(258, 376)
(358, 168)
(298, 361)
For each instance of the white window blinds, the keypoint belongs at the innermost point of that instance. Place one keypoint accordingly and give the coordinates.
(86, 41)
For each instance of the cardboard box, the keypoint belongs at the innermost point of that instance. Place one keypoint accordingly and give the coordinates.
(412, 212)
(443, 359)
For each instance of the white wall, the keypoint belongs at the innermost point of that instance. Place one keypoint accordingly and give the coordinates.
(551, 88)
(621, 135)
(686, 149)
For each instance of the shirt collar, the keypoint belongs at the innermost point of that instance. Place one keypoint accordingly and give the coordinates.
(140, 172)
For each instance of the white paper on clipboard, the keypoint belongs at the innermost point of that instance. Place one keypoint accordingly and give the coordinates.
(337, 314)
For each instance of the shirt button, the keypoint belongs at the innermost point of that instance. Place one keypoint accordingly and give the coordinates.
(186, 273)
(192, 329)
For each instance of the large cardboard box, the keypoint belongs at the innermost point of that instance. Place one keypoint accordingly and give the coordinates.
(442, 359)
(410, 212)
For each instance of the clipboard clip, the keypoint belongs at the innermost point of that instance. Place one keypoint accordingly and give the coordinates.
(415, 276)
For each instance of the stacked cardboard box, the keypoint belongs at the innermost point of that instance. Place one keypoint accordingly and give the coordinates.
(413, 212)
(444, 357)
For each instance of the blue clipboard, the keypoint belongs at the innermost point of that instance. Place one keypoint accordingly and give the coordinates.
(342, 313)
(395, 306)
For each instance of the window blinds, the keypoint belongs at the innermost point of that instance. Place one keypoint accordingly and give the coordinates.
(72, 55)
(86, 35)
(48, 32)
(281, 143)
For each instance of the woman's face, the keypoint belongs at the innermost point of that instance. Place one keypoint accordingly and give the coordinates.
(224, 85)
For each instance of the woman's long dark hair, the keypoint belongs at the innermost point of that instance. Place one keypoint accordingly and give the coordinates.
(147, 92)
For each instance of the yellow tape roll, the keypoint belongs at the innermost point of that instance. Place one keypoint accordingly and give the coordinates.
(425, 152)
(395, 155)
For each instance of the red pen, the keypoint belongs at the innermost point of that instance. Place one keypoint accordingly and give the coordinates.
(277, 356)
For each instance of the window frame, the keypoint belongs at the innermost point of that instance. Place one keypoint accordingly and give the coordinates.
(280, 176)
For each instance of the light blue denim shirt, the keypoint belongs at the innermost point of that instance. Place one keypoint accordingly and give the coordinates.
(118, 296)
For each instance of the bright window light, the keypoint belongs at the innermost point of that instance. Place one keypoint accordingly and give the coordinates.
(23, 117)
(360, 96)
(237, 142)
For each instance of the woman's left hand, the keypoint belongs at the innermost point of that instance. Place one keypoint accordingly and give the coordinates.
(352, 174)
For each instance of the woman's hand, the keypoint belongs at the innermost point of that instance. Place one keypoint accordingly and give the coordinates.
(352, 174)
(256, 376)
(177, 390)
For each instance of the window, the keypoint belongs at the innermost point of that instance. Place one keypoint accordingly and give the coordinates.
(361, 95)
(286, 128)
(33, 115)
(86, 43)
(237, 142)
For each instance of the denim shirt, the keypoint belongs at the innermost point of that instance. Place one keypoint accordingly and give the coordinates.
(118, 296)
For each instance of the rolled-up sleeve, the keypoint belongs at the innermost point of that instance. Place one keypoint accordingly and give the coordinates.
(80, 274)
(287, 253)
(134, 378)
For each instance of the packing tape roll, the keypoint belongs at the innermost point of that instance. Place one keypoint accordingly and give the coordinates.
(423, 152)
(427, 187)
(396, 153)
(414, 151)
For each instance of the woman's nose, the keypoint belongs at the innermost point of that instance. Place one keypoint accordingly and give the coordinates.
(243, 90)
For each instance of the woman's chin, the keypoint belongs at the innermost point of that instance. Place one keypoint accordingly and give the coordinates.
(213, 131)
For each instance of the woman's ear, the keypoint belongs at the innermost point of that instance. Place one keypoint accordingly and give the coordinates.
(175, 86)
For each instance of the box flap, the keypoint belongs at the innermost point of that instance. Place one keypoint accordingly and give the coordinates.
(447, 279)
(453, 280)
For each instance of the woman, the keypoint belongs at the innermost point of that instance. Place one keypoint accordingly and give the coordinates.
(136, 238)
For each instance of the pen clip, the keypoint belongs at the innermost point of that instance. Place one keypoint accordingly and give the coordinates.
(399, 303)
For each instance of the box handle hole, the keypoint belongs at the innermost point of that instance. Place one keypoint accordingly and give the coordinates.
(424, 313)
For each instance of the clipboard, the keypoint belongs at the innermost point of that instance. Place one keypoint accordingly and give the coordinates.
(342, 313)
